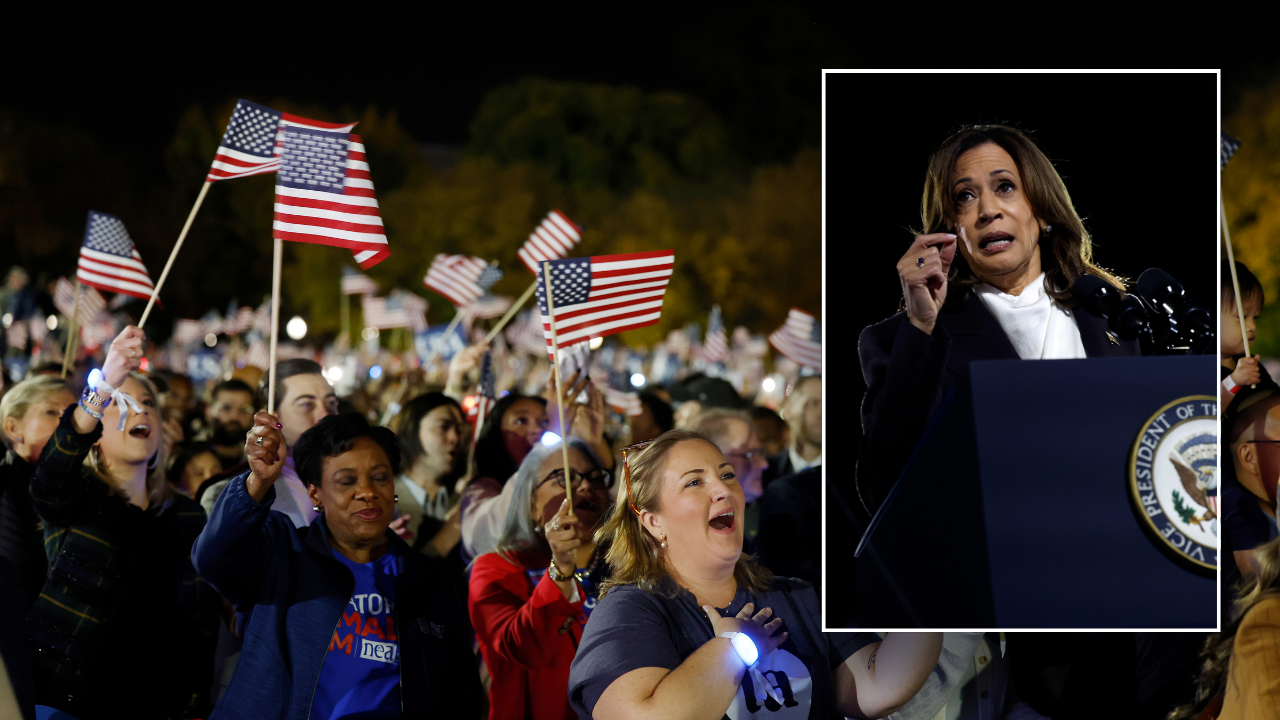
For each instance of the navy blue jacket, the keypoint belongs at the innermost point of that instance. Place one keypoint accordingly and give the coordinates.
(290, 593)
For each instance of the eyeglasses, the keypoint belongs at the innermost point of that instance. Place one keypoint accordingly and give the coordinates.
(626, 469)
(596, 478)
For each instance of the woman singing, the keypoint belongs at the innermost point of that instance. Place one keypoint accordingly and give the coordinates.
(988, 279)
(689, 627)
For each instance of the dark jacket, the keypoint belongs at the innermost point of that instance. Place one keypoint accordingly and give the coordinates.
(21, 532)
(790, 540)
(290, 592)
(908, 373)
(123, 626)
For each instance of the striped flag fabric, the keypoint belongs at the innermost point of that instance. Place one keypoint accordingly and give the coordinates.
(324, 194)
(551, 240)
(488, 306)
(524, 333)
(384, 313)
(262, 317)
(715, 347)
(258, 354)
(416, 310)
(357, 283)
(627, 403)
(237, 321)
(1229, 147)
(747, 345)
(16, 334)
(486, 394)
(255, 134)
(461, 278)
(604, 294)
(100, 331)
(188, 332)
(91, 302)
(800, 338)
(108, 259)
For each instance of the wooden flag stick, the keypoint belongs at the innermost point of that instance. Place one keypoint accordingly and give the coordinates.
(555, 353)
(72, 331)
(277, 257)
(177, 246)
(346, 317)
(511, 312)
(1235, 281)
(444, 338)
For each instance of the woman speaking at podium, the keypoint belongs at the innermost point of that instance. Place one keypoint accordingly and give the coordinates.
(989, 278)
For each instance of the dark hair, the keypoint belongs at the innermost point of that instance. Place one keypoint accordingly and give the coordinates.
(408, 423)
(663, 416)
(182, 455)
(492, 458)
(232, 385)
(286, 369)
(1066, 252)
(335, 435)
(1249, 285)
(760, 412)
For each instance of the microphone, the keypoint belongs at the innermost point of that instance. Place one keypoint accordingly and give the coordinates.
(1176, 313)
(1125, 315)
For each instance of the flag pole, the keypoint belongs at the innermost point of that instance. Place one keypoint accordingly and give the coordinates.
(276, 259)
(1235, 281)
(511, 312)
(444, 338)
(555, 353)
(346, 315)
(72, 331)
(177, 246)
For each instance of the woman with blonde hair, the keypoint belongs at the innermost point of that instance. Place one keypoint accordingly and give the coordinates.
(690, 627)
(122, 603)
(28, 414)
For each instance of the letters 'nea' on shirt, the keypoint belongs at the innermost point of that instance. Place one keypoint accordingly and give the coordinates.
(1038, 328)
(632, 629)
(361, 671)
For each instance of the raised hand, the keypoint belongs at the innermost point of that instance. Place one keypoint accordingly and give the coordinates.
(264, 445)
(1247, 372)
(923, 273)
(564, 534)
(757, 626)
(124, 356)
(400, 526)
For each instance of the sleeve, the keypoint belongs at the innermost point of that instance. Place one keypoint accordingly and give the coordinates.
(510, 622)
(628, 631)
(1255, 664)
(845, 645)
(201, 607)
(231, 553)
(903, 371)
(59, 489)
(790, 541)
(1243, 520)
(484, 507)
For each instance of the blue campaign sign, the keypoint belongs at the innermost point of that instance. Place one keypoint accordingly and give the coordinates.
(426, 341)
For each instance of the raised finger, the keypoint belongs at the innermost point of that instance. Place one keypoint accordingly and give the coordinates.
(764, 614)
(745, 612)
(931, 240)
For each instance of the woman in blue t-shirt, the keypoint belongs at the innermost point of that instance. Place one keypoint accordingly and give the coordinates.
(340, 619)
(690, 627)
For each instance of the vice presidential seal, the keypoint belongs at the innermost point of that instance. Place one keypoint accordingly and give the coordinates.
(1173, 479)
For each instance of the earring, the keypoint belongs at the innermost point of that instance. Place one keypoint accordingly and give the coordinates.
(397, 498)
(1047, 229)
(662, 542)
(316, 508)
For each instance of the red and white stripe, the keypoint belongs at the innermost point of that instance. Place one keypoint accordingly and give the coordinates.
(358, 284)
(626, 293)
(456, 277)
(416, 310)
(349, 220)
(794, 339)
(258, 354)
(376, 314)
(113, 273)
(188, 332)
(489, 306)
(551, 240)
(228, 163)
(627, 403)
(91, 301)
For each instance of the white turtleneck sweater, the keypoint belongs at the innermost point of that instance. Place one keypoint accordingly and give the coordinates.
(1038, 327)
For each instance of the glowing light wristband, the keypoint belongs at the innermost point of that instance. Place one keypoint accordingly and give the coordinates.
(743, 646)
(1230, 385)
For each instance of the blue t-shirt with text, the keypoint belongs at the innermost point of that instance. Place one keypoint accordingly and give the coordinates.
(361, 671)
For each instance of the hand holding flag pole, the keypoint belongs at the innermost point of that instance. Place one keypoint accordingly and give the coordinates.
(564, 439)
(1229, 146)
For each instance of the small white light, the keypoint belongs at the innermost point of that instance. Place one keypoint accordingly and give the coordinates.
(375, 372)
(51, 322)
(768, 385)
(595, 342)
(370, 333)
(95, 378)
(7, 319)
(212, 339)
(335, 373)
(549, 438)
(296, 329)
(637, 379)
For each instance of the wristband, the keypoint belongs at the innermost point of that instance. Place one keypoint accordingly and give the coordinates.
(743, 645)
(1230, 385)
(555, 574)
(92, 397)
(96, 415)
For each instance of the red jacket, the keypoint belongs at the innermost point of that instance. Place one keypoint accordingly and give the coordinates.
(519, 626)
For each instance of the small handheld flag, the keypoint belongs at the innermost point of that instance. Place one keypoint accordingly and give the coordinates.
(552, 239)
(255, 134)
(800, 338)
(108, 259)
(461, 278)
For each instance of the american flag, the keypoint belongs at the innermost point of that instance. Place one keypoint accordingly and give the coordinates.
(91, 302)
(238, 321)
(416, 308)
(188, 332)
(747, 345)
(258, 354)
(1229, 147)
(524, 333)
(100, 331)
(627, 403)
(251, 145)
(262, 317)
(604, 294)
(800, 338)
(16, 335)
(461, 278)
(552, 239)
(487, 393)
(391, 311)
(715, 348)
(324, 194)
(212, 323)
(108, 260)
(357, 283)
(488, 306)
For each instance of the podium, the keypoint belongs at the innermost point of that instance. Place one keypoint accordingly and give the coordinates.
(1015, 509)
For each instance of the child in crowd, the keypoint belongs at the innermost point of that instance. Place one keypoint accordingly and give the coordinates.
(1240, 373)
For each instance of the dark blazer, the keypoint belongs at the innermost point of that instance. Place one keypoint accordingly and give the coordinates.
(290, 593)
(790, 540)
(908, 373)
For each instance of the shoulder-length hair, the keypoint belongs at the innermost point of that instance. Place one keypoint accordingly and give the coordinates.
(1066, 252)
(634, 555)
(1264, 583)
(158, 488)
(517, 529)
(491, 456)
(33, 390)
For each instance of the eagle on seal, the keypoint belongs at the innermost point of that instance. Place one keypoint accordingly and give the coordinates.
(1196, 460)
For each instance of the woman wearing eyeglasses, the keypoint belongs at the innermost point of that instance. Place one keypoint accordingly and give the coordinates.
(530, 600)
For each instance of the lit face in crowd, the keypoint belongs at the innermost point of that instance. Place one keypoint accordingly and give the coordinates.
(307, 400)
(140, 439)
(198, 469)
(31, 432)
(998, 232)
(441, 433)
(1230, 338)
(700, 509)
(743, 451)
(590, 496)
(231, 415)
(804, 411)
(527, 418)
(357, 494)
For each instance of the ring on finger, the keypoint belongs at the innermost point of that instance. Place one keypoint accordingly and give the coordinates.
(258, 441)
(555, 526)
(920, 262)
